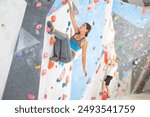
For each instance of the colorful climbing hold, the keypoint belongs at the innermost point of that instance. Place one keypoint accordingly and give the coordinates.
(116, 74)
(52, 41)
(64, 97)
(104, 96)
(30, 96)
(38, 26)
(69, 23)
(70, 68)
(144, 10)
(64, 2)
(50, 64)
(37, 67)
(38, 4)
(62, 74)
(96, 1)
(106, 57)
(18, 54)
(64, 85)
(52, 10)
(45, 96)
(45, 55)
(67, 79)
(91, 6)
(53, 18)
(48, 29)
(44, 72)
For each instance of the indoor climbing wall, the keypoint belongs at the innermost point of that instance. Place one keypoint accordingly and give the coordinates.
(55, 80)
(92, 11)
(94, 87)
(9, 29)
(132, 41)
(67, 81)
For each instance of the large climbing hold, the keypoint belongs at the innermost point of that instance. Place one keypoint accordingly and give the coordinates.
(50, 64)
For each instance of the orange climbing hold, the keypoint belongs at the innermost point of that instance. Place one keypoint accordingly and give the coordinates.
(52, 41)
(106, 58)
(38, 4)
(50, 64)
(116, 74)
(53, 18)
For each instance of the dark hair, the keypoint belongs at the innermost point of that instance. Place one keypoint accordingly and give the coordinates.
(88, 27)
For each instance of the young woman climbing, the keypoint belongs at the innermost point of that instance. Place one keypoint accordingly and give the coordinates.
(65, 48)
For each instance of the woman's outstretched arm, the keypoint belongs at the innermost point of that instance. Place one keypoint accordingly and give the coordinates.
(84, 49)
(72, 16)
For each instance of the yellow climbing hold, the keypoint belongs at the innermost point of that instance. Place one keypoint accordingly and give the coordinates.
(37, 66)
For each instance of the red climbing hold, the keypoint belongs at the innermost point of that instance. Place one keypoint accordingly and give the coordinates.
(38, 26)
(38, 4)
(44, 72)
(30, 96)
(64, 2)
(53, 18)
(105, 57)
(104, 96)
(50, 64)
(64, 97)
(45, 55)
(52, 41)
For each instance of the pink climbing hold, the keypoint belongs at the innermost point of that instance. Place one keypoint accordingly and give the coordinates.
(45, 96)
(48, 29)
(38, 26)
(144, 10)
(45, 55)
(30, 96)
(96, 1)
(38, 4)
(52, 10)
(91, 6)
(67, 79)
(44, 72)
